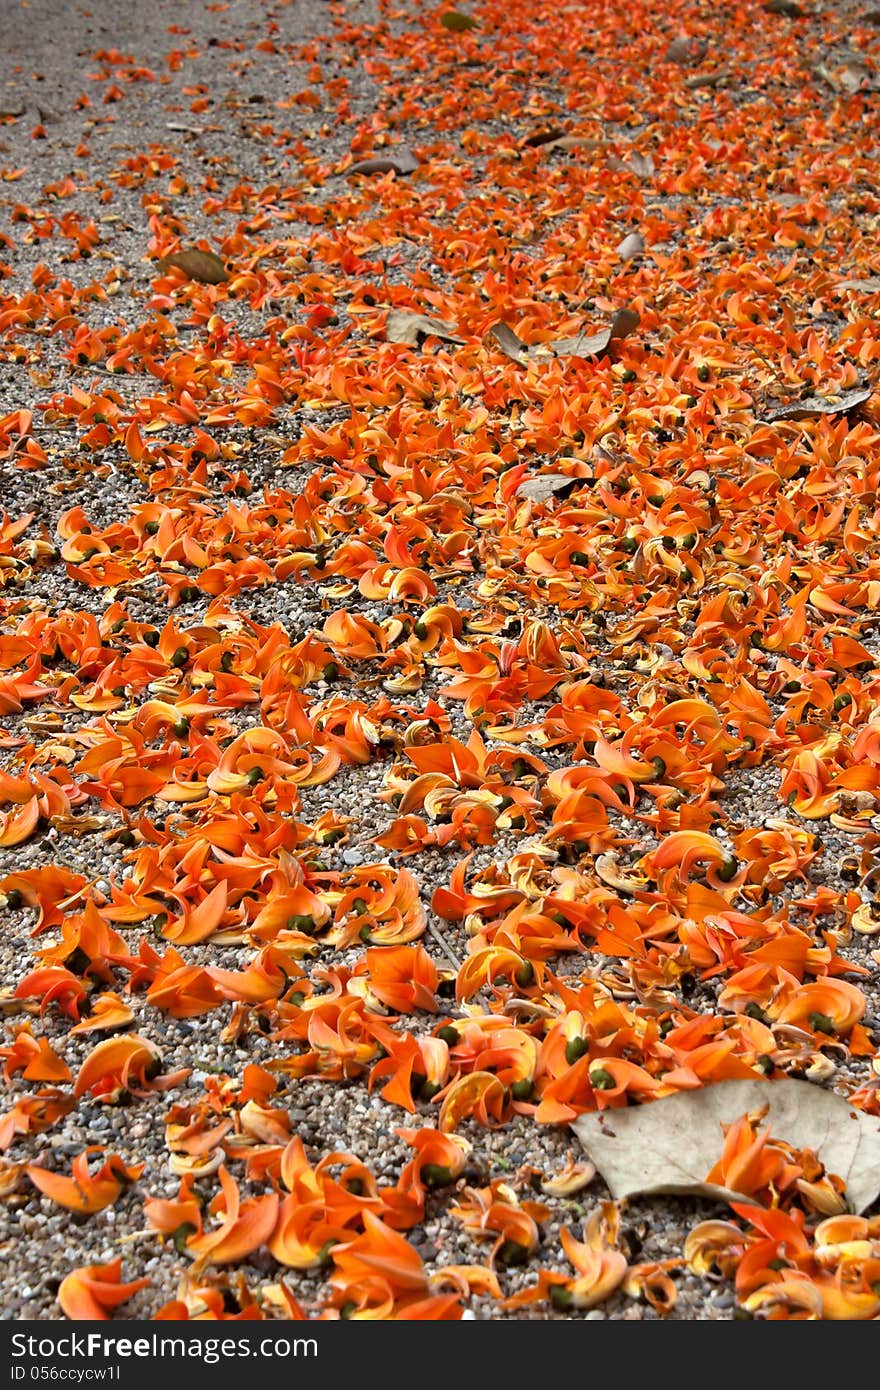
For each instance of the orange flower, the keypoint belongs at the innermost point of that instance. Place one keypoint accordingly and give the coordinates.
(380, 1275)
(33, 1114)
(439, 1160)
(172, 1215)
(479, 1093)
(244, 1228)
(120, 1064)
(34, 1058)
(86, 1193)
(90, 1293)
(496, 1211)
(418, 1068)
(403, 978)
(53, 984)
(108, 1013)
(826, 1006)
(750, 1164)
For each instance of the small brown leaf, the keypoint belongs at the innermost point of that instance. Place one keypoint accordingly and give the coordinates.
(869, 286)
(670, 1145)
(594, 344)
(685, 52)
(718, 78)
(203, 266)
(810, 407)
(569, 142)
(642, 165)
(850, 77)
(400, 161)
(543, 137)
(631, 247)
(457, 22)
(409, 328)
(78, 825)
(789, 8)
(678, 51)
(580, 345)
(547, 485)
(512, 346)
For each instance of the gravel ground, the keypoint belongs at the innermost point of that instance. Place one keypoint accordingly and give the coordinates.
(212, 123)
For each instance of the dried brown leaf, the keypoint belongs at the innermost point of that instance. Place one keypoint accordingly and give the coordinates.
(642, 165)
(809, 407)
(458, 23)
(569, 142)
(543, 137)
(400, 161)
(512, 346)
(547, 485)
(869, 286)
(632, 246)
(594, 344)
(685, 52)
(78, 825)
(849, 77)
(409, 328)
(718, 78)
(580, 345)
(203, 266)
(670, 1145)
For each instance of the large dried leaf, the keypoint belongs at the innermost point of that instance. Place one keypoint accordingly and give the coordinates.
(543, 137)
(594, 344)
(643, 165)
(399, 161)
(547, 485)
(631, 247)
(670, 1145)
(569, 142)
(849, 77)
(457, 22)
(869, 286)
(852, 76)
(202, 266)
(719, 78)
(512, 346)
(581, 345)
(678, 51)
(685, 51)
(409, 328)
(809, 407)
